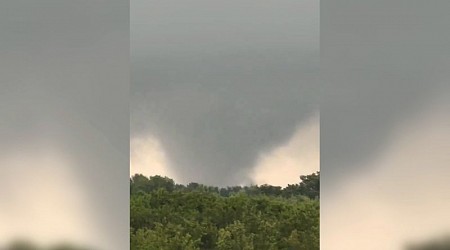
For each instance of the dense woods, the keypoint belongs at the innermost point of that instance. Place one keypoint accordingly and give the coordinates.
(168, 216)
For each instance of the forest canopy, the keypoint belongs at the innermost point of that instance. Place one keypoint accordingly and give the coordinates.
(166, 215)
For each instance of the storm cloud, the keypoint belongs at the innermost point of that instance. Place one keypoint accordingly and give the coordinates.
(217, 83)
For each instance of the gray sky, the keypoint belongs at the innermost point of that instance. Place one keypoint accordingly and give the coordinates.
(218, 83)
(64, 122)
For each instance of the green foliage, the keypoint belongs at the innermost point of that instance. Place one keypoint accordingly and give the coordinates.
(234, 237)
(310, 185)
(163, 237)
(165, 215)
(141, 183)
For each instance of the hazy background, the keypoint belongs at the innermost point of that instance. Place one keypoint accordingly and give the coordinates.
(225, 92)
(384, 123)
(64, 122)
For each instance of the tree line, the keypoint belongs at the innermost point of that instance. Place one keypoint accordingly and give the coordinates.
(170, 216)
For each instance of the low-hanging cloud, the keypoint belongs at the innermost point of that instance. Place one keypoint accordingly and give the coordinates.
(220, 83)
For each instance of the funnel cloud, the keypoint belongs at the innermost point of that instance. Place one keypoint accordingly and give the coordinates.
(219, 83)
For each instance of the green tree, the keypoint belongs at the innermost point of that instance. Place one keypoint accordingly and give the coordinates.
(234, 237)
(165, 215)
(310, 185)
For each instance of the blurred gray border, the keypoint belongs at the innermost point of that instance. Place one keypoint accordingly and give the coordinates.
(64, 80)
(380, 62)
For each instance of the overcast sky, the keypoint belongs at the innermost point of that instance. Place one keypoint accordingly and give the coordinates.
(219, 85)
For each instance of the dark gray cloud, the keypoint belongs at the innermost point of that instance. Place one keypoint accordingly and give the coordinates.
(64, 85)
(220, 82)
(381, 62)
